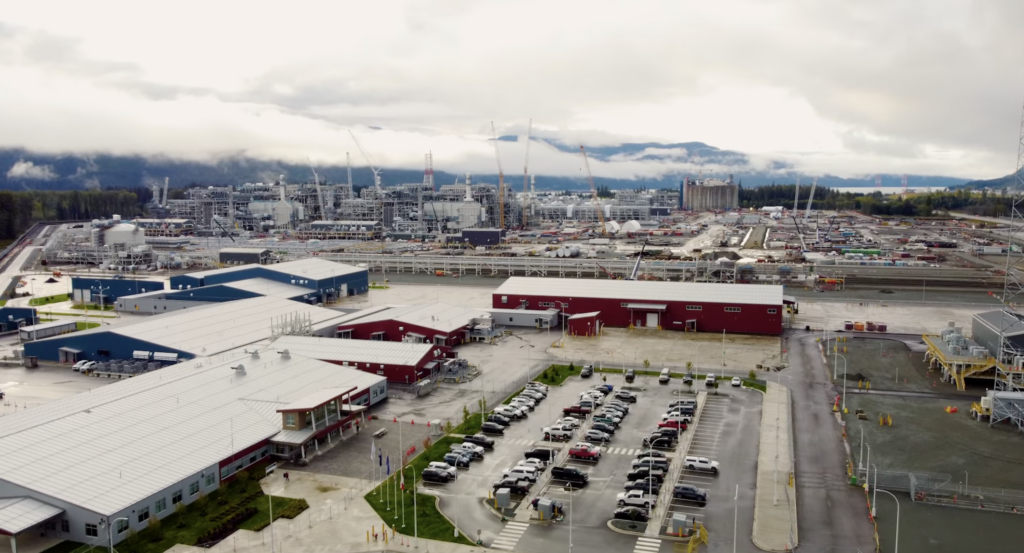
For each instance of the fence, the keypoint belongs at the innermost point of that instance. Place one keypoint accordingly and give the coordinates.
(941, 489)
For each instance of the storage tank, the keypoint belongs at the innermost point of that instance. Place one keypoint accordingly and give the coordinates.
(126, 234)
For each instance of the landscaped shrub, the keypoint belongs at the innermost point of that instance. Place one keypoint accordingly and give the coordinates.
(229, 527)
(295, 509)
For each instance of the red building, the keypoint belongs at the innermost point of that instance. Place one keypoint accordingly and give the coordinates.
(703, 307)
(440, 324)
(404, 363)
(584, 324)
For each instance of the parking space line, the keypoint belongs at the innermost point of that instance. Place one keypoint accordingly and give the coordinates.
(647, 545)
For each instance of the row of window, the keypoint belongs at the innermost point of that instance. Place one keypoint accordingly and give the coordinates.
(546, 304)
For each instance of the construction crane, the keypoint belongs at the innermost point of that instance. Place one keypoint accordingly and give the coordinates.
(593, 193)
(810, 199)
(636, 267)
(796, 199)
(526, 172)
(319, 195)
(501, 179)
(607, 272)
(376, 170)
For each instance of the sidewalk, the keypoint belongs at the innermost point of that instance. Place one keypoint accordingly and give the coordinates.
(775, 524)
(338, 519)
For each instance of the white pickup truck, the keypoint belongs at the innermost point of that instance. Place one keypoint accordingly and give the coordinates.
(637, 498)
(558, 433)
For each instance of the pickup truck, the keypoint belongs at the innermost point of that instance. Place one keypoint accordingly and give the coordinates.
(678, 424)
(636, 498)
(557, 433)
(576, 410)
(580, 451)
(475, 451)
(701, 463)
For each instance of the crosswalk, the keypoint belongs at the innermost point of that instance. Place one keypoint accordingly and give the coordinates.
(509, 536)
(519, 441)
(647, 545)
(620, 450)
(606, 450)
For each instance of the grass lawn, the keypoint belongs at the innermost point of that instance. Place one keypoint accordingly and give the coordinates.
(3, 303)
(471, 426)
(91, 316)
(68, 546)
(48, 300)
(85, 326)
(93, 306)
(555, 375)
(261, 519)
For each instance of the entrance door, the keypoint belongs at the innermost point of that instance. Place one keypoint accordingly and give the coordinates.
(652, 320)
(691, 325)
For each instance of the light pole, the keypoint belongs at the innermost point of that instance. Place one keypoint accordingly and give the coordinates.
(735, 516)
(110, 534)
(563, 305)
(844, 380)
(401, 463)
(415, 518)
(270, 503)
(896, 548)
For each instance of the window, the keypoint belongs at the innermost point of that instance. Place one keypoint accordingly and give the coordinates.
(91, 530)
(693, 307)
(122, 526)
(143, 514)
(176, 498)
(504, 299)
(289, 419)
(772, 311)
(193, 488)
(161, 505)
(732, 309)
(211, 479)
(65, 526)
(251, 461)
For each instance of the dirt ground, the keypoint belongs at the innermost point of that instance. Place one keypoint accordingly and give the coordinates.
(925, 438)
(889, 364)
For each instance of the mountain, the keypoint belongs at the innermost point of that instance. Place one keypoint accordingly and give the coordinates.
(1009, 181)
(26, 170)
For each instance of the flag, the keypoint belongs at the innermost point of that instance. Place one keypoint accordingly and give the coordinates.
(389, 465)
(380, 457)
(373, 449)
(403, 481)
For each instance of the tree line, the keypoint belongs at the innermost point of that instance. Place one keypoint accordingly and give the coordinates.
(20, 210)
(982, 203)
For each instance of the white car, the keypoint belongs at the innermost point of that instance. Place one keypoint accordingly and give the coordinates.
(78, 366)
(568, 421)
(521, 473)
(521, 400)
(637, 498)
(88, 365)
(701, 463)
(597, 397)
(444, 467)
(537, 385)
(533, 394)
(538, 464)
(736, 381)
(471, 449)
(558, 433)
(677, 416)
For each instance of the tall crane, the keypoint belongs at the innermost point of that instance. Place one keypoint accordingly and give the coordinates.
(810, 199)
(796, 199)
(526, 172)
(636, 267)
(593, 193)
(501, 179)
(319, 195)
(376, 170)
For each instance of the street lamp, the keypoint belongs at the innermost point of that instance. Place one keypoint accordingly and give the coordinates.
(844, 379)
(563, 305)
(110, 534)
(896, 548)
(415, 517)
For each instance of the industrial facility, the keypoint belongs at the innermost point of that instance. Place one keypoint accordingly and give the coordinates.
(709, 194)
(703, 307)
(112, 458)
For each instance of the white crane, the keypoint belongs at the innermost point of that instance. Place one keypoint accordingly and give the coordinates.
(319, 195)
(814, 185)
(376, 170)
(796, 200)
(526, 172)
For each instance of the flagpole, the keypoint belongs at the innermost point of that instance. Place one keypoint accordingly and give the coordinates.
(387, 484)
(403, 492)
(415, 521)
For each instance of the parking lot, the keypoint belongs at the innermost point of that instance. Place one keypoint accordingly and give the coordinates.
(726, 432)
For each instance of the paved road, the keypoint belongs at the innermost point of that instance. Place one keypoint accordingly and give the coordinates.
(831, 513)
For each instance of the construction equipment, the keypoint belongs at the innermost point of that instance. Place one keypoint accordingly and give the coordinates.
(636, 267)
(810, 199)
(319, 195)
(376, 170)
(607, 272)
(501, 179)
(593, 193)
(526, 172)
(796, 200)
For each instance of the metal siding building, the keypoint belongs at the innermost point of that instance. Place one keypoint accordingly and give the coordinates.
(396, 361)
(113, 288)
(13, 317)
(703, 307)
(987, 327)
(433, 323)
(235, 256)
(326, 278)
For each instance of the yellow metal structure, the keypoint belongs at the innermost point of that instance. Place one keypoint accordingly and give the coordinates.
(699, 537)
(960, 366)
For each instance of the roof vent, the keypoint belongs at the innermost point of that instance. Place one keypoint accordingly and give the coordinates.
(255, 354)
(240, 369)
(285, 354)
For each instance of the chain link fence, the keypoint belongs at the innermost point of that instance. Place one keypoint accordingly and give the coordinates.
(942, 489)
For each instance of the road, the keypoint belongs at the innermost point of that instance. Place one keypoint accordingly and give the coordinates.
(831, 512)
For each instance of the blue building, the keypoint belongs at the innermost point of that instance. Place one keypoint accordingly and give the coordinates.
(12, 318)
(327, 281)
(90, 290)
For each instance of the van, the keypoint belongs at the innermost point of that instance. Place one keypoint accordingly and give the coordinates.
(664, 377)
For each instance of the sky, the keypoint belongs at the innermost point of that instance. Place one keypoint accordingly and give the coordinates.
(926, 87)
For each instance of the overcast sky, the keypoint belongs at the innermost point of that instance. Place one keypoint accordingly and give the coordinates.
(845, 87)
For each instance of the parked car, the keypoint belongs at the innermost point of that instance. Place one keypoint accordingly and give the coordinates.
(687, 380)
(545, 454)
(701, 463)
(680, 402)
(568, 421)
(603, 388)
(679, 411)
(709, 380)
(604, 427)
(444, 467)
(664, 377)
(458, 460)
(87, 366)
(557, 433)
(656, 462)
(534, 395)
(636, 498)
(577, 410)
(630, 376)
(679, 424)
(521, 473)
(643, 473)
(538, 386)
(609, 419)
(651, 453)
(492, 428)
(538, 464)
(692, 493)
(79, 364)
(659, 441)
(434, 475)
(585, 451)
(736, 382)
(669, 432)
(499, 419)
(623, 406)
(570, 474)
(480, 440)
(597, 436)
(515, 487)
(636, 514)
(626, 396)
(474, 451)
(587, 371)
(509, 412)
(524, 402)
(615, 409)
(650, 485)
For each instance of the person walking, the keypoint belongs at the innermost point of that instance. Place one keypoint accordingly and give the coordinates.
(286, 479)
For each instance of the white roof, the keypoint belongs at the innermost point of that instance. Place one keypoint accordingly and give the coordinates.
(442, 317)
(314, 399)
(585, 315)
(310, 267)
(353, 351)
(18, 514)
(243, 250)
(44, 326)
(110, 448)
(268, 287)
(216, 328)
(626, 290)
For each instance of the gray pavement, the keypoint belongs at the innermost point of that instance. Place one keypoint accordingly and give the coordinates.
(775, 508)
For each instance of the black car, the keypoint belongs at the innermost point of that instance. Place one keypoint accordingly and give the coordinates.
(659, 441)
(655, 462)
(603, 427)
(434, 475)
(499, 419)
(603, 388)
(635, 514)
(543, 453)
(642, 473)
(693, 493)
(572, 475)
(587, 372)
(630, 376)
(624, 395)
(650, 453)
(668, 432)
(515, 487)
(458, 460)
(492, 428)
(480, 440)
(651, 485)
(688, 379)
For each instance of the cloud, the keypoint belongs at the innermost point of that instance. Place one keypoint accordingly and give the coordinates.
(29, 170)
(834, 86)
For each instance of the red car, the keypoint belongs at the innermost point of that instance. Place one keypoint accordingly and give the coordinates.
(585, 452)
(576, 410)
(677, 424)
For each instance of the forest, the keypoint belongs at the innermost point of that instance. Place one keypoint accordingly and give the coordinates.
(983, 203)
(19, 210)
